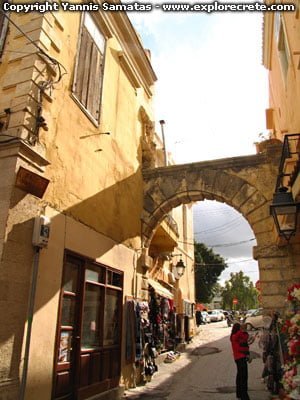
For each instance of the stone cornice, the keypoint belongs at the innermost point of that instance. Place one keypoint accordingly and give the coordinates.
(20, 149)
(126, 34)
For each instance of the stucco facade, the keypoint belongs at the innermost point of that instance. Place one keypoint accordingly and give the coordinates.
(91, 164)
(281, 57)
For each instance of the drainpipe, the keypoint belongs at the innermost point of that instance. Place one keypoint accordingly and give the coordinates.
(29, 322)
(162, 123)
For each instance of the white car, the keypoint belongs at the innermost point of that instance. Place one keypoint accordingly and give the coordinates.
(250, 312)
(205, 317)
(257, 320)
(215, 315)
(222, 313)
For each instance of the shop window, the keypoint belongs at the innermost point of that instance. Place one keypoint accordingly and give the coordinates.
(95, 273)
(88, 75)
(91, 319)
(188, 309)
(111, 318)
(185, 227)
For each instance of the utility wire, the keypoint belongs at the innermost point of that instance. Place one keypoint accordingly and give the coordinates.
(53, 60)
(231, 244)
(226, 262)
(219, 245)
(224, 227)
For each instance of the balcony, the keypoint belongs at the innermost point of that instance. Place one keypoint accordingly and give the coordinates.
(289, 166)
(166, 236)
(170, 221)
(286, 205)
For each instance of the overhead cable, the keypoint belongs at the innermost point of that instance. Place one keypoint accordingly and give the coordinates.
(53, 60)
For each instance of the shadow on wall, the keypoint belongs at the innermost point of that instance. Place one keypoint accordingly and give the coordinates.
(115, 212)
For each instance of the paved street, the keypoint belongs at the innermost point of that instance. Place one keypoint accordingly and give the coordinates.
(205, 371)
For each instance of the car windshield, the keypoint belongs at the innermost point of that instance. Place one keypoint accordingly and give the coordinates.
(256, 312)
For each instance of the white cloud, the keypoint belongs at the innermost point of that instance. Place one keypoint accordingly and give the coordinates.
(212, 93)
(211, 89)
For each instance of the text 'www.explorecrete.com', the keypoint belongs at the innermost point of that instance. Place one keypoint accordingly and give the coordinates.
(216, 6)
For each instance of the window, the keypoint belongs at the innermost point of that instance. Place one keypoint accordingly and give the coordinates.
(88, 75)
(184, 227)
(3, 31)
(282, 44)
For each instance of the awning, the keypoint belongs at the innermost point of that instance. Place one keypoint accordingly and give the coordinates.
(162, 291)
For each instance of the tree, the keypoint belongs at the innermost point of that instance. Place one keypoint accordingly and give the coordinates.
(239, 287)
(208, 268)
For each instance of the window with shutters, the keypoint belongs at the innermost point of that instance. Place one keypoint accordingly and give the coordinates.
(89, 67)
(3, 31)
(282, 44)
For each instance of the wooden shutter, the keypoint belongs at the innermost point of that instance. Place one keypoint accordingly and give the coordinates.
(88, 79)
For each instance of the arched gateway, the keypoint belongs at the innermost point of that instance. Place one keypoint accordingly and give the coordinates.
(247, 184)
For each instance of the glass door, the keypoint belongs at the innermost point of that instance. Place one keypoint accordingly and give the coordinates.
(88, 355)
(68, 339)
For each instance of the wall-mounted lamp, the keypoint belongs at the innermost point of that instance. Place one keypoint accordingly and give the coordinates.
(180, 268)
(284, 210)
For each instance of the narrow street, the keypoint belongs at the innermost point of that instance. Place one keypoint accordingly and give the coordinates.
(205, 370)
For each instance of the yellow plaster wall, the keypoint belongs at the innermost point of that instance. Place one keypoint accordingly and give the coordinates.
(82, 240)
(285, 96)
(187, 281)
(99, 191)
(97, 179)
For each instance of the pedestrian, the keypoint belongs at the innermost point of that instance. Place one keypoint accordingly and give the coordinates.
(240, 346)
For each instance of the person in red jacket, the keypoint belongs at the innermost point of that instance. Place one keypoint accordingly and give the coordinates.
(240, 346)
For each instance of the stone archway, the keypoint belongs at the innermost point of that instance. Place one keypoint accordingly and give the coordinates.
(247, 184)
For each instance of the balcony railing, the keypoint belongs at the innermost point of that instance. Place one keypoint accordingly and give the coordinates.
(172, 223)
(289, 166)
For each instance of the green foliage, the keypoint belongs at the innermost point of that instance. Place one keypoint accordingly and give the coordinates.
(239, 286)
(209, 267)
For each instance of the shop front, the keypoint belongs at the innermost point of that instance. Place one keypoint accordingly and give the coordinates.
(155, 327)
(88, 343)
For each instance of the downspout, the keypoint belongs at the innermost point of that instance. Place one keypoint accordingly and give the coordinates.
(29, 322)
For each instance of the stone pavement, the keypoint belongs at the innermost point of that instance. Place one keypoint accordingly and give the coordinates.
(204, 371)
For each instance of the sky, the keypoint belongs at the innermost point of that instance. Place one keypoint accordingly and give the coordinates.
(212, 93)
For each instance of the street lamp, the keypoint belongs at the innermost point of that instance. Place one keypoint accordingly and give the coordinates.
(284, 212)
(180, 268)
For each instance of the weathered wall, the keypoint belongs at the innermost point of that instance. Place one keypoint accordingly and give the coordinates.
(94, 197)
(245, 183)
(80, 239)
(284, 94)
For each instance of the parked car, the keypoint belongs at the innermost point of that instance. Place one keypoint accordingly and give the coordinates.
(250, 312)
(222, 313)
(257, 320)
(215, 315)
(206, 317)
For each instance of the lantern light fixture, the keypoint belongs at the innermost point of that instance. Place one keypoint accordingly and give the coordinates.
(284, 211)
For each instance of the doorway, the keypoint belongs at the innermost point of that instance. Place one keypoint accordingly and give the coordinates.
(88, 345)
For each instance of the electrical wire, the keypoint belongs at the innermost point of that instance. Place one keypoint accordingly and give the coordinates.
(224, 226)
(226, 262)
(231, 244)
(219, 245)
(53, 60)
